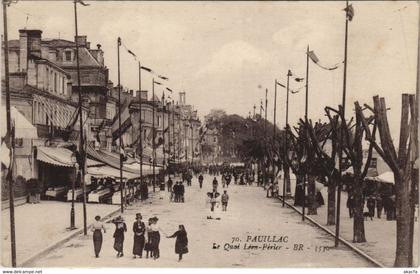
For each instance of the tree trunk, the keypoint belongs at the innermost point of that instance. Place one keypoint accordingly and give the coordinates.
(299, 195)
(358, 221)
(404, 216)
(312, 202)
(287, 178)
(331, 201)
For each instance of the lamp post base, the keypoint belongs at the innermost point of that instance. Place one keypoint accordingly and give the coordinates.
(72, 222)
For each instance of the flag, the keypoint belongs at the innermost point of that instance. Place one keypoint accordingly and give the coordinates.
(132, 53)
(81, 2)
(283, 86)
(157, 83)
(349, 12)
(168, 89)
(299, 79)
(313, 56)
(261, 106)
(163, 77)
(315, 59)
(146, 69)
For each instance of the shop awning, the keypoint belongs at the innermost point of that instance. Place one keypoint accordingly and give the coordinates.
(57, 156)
(107, 171)
(23, 128)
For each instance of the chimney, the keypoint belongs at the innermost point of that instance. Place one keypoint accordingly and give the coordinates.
(182, 98)
(29, 44)
(143, 95)
(81, 40)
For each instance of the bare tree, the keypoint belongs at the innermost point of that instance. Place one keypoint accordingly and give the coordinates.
(402, 165)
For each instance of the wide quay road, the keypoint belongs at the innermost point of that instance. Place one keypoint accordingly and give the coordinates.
(255, 231)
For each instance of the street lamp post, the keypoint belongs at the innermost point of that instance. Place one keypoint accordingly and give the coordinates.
(154, 133)
(72, 214)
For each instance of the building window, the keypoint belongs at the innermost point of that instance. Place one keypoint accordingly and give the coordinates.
(55, 82)
(67, 55)
(18, 142)
(215, 139)
(48, 79)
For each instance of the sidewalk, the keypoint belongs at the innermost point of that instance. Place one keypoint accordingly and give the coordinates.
(380, 233)
(41, 225)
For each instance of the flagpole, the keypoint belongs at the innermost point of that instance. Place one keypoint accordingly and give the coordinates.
(119, 125)
(173, 129)
(275, 110)
(306, 117)
(265, 125)
(286, 149)
(153, 135)
(11, 139)
(81, 141)
(343, 121)
(140, 129)
(163, 133)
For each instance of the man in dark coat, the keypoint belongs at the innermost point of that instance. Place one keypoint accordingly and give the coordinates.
(169, 184)
(200, 180)
(182, 192)
(371, 206)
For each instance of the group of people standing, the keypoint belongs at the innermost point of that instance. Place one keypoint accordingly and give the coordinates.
(152, 231)
(177, 191)
(378, 202)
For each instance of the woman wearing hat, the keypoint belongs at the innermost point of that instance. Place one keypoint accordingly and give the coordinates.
(120, 229)
(154, 237)
(181, 243)
(97, 235)
(139, 229)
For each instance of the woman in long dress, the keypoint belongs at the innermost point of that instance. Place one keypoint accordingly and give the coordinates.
(154, 235)
(181, 243)
(97, 235)
(139, 229)
(120, 229)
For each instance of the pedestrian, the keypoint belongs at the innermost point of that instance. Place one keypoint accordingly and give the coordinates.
(169, 184)
(120, 229)
(139, 229)
(276, 191)
(97, 228)
(270, 190)
(225, 199)
(215, 184)
(223, 181)
(228, 180)
(350, 205)
(154, 234)
(379, 206)
(213, 199)
(181, 243)
(181, 192)
(200, 180)
(148, 246)
(371, 206)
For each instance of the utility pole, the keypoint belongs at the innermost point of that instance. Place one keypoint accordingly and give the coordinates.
(192, 141)
(81, 141)
(343, 121)
(173, 129)
(10, 132)
(119, 127)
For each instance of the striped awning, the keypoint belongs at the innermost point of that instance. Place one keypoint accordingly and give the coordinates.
(57, 156)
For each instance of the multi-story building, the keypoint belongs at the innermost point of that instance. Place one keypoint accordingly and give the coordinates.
(41, 90)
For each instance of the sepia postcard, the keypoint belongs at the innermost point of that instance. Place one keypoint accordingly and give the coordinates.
(209, 134)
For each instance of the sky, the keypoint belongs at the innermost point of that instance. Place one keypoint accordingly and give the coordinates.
(225, 54)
